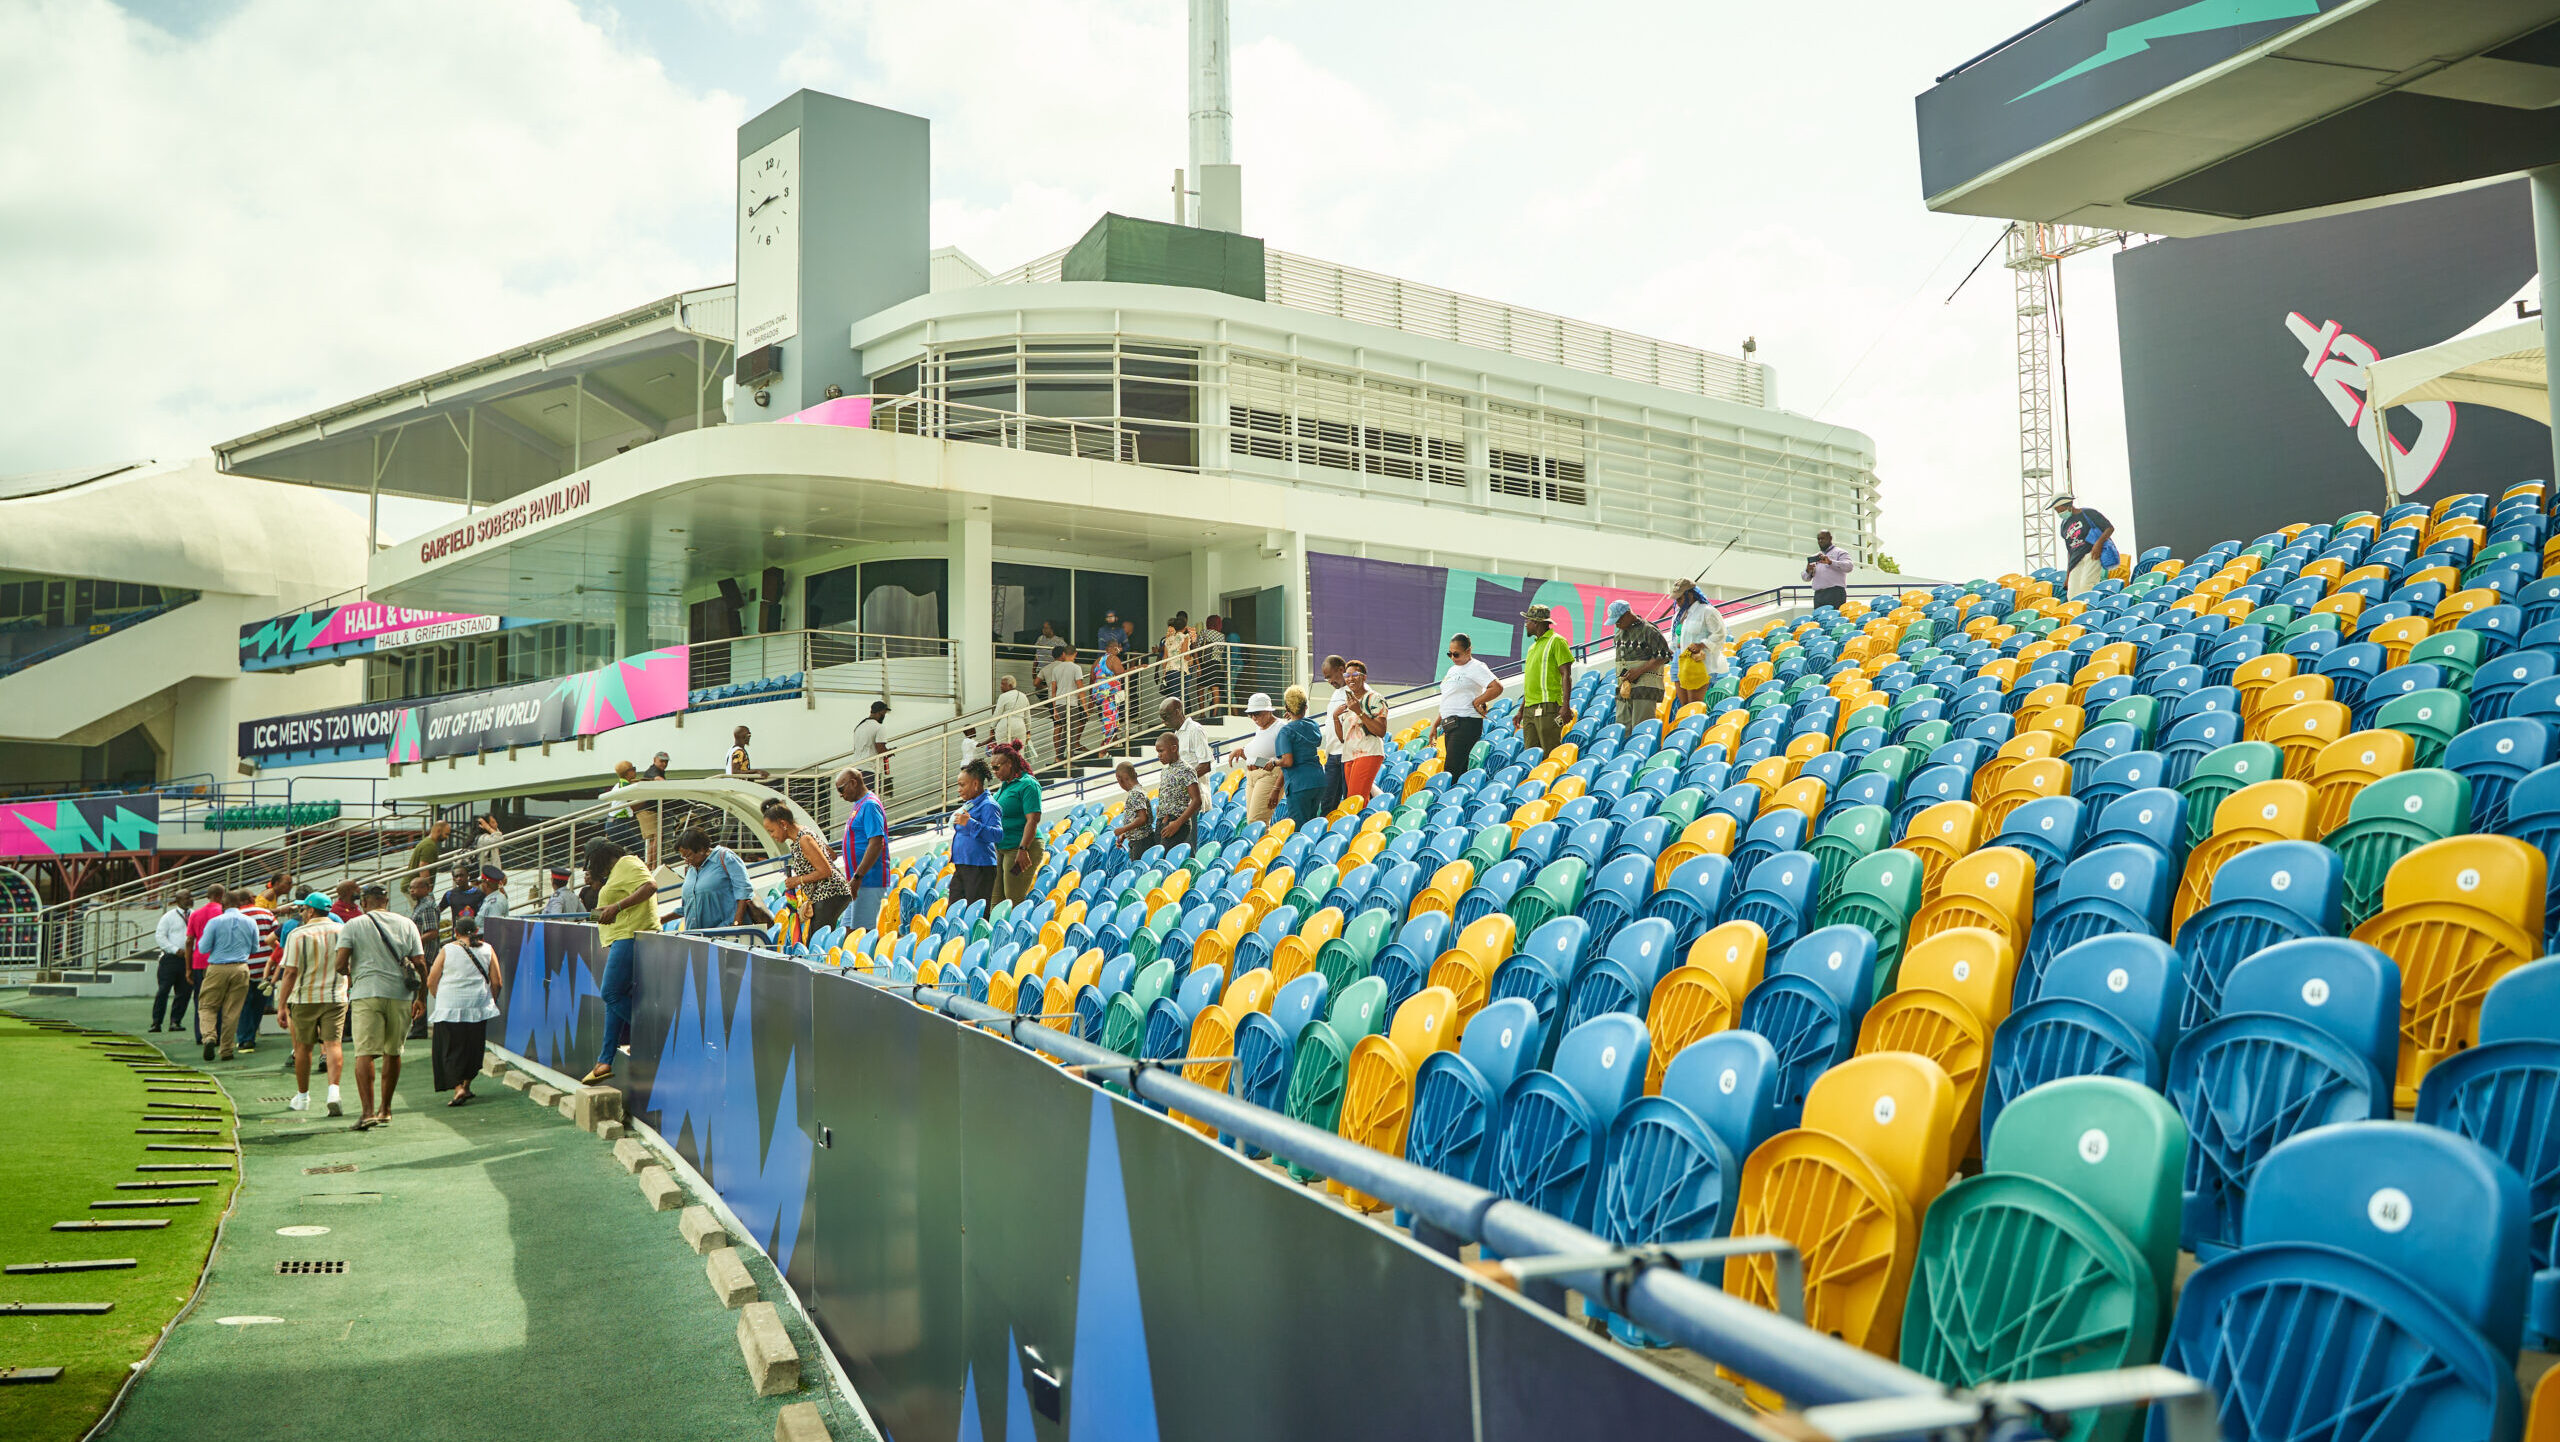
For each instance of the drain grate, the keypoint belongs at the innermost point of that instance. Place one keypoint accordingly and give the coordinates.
(329, 1170)
(275, 1099)
(311, 1269)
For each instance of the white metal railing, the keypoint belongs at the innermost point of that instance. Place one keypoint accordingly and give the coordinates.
(1350, 293)
(1105, 439)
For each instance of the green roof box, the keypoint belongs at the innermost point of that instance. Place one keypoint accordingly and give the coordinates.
(1150, 252)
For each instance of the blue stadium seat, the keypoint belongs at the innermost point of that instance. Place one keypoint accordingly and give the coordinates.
(2106, 890)
(2308, 1036)
(1267, 1043)
(1555, 1124)
(2120, 776)
(1810, 1004)
(2505, 1095)
(2108, 1007)
(2495, 755)
(1457, 1095)
(2278, 892)
(1694, 898)
(1542, 971)
(1623, 976)
(1779, 898)
(1772, 833)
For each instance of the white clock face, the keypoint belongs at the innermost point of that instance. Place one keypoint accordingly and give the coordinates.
(769, 244)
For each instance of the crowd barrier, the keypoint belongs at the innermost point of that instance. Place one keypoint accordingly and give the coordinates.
(995, 1248)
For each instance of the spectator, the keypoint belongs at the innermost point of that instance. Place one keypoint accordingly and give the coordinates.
(493, 893)
(1466, 689)
(463, 985)
(346, 905)
(485, 845)
(1048, 640)
(1187, 733)
(1177, 791)
(866, 849)
(971, 749)
(1136, 830)
(1213, 664)
(1359, 725)
(425, 913)
(626, 905)
(1018, 811)
(1108, 690)
(254, 1000)
(1059, 682)
(563, 900)
(1111, 633)
(1828, 569)
(975, 829)
(1546, 681)
(809, 869)
(311, 999)
(1336, 780)
(230, 941)
(739, 766)
(641, 814)
(380, 954)
(422, 857)
(177, 981)
(1012, 720)
(715, 886)
(871, 746)
(656, 770)
(2088, 538)
(1260, 758)
(1697, 630)
(463, 898)
(1301, 751)
(1641, 653)
(197, 921)
(1176, 648)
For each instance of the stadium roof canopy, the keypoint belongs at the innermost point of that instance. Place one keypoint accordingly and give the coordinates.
(509, 423)
(2504, 367)
(2178, 118)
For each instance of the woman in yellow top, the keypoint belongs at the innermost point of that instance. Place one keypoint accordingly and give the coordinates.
(626, 905)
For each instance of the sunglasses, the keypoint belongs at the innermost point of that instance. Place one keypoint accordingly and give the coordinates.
(1453, 655)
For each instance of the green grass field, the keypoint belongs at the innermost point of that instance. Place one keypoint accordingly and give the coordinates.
(67, 1136)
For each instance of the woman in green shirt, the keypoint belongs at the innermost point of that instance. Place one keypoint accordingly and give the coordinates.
(626, 905)
(1018, 838)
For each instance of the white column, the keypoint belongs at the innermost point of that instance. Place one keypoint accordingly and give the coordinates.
(2546, 252)
(973, 606)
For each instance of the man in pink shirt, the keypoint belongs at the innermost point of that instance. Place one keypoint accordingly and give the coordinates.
(1828, 569)
(213, 904)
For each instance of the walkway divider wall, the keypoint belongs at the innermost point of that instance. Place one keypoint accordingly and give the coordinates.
(984, 1238)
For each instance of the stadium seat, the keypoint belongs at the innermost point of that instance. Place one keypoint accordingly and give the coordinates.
(1880, 895)
(1811, 1003)
(1993, 888)
(2493, 756)
(2255, 815)
(2456, 914)
(2348, 765)
(1377, 1084)
(1952, 995)
(2109, 1006)
(2505, 1094)
(2242, 763)
(1555, 1123)
(1692, 898)
(1939, 835)
(1324, 1053)
(1457, 1096)
(1465, 970)
(2107, 890)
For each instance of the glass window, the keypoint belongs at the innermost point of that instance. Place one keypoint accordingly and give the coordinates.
(1026, 596)
(1098, 592)
(832, 599)
(904, 598)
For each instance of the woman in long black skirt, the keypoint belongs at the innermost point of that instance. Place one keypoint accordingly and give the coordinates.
(463, 987)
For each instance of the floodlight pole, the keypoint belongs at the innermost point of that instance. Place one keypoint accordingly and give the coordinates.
(2546, 253)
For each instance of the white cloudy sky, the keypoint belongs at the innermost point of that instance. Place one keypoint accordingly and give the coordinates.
(220, 214)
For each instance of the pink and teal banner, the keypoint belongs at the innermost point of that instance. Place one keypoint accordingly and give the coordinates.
(635, 688)
(351, 629)
(1399, 617)
(80, 826)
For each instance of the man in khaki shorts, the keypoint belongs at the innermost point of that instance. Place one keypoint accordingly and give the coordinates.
(381, 955)
(311, 998)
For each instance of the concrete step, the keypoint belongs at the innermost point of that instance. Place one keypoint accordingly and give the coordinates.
(51, 988)
(126, 965)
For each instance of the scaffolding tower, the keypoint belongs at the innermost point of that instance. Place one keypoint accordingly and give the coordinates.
(2034, 253)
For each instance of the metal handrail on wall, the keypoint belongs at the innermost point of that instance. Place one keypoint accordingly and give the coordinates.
(1105, 439)
(827, 660)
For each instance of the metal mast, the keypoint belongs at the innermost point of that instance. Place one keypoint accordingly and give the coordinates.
(2032, 250)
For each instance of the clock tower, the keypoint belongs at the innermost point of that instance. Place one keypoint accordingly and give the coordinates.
(831, 227)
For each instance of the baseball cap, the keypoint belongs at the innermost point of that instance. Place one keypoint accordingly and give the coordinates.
(1260, 701)
(1619, 611)
(2061, 501)
(1536, 613)
(316, 902)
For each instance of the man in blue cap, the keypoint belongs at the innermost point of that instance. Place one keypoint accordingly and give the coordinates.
(1642, 653)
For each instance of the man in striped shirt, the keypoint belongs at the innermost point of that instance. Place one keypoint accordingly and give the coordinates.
(253, 1007)
(311, 998)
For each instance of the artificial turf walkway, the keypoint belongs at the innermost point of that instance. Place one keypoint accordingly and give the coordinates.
(504, 1277)
(67, 1138)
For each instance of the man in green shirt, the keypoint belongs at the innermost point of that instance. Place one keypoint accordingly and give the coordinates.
(1545, 682)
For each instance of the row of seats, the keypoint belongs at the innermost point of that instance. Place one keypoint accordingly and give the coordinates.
(2129, 897)
(251, 818)
(704, 696)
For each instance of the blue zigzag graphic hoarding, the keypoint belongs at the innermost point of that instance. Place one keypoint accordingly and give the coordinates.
(553, 977)
(705, 1100)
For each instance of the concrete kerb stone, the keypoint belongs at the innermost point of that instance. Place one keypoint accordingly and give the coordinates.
(493, 1068)
(660, 1188)
(731, 1282)
(516, 1081)
(773, 1364)
(594, 1105)
(609, 1130)
(632, 1155)
(702, 1231)
(567, 1108)
(801, 1422)
(543, 1096)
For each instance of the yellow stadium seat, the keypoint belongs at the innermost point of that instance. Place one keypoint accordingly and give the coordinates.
(1377, 1081)
(1848, 1188)
(1806, 747)
(2326, 570)
(1217, 945)
(1735, 952)
(1938, 836)
(2063, 722)
(1003, 989)
(1083, 972)
(1804, 794)
(1447, 884)
(2445, 576)
(2302, 731)
(1991, 890)
(2350, 764)
(2025, 746)
(2250, 816)
(1767, 775)
(1028, 964)
(1295, 956)
(1688, 1003)
(1567, 788)
(2257, 674)
(1250, 992)
(2456, 914)
(2027, 781)
(1952, 995)
(2450, 611)
(1710, 835)
(1057, 1001)
(2396, 637)
(1466, 969)
(1542, 809)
